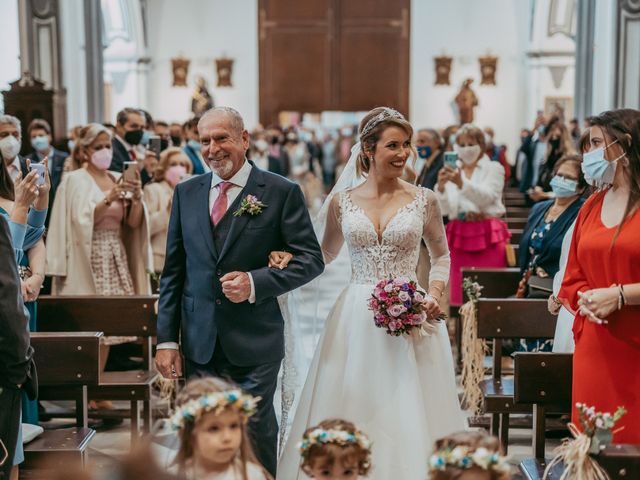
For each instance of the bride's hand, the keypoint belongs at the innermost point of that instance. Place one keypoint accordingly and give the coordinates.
(279, 260)
(432, 307)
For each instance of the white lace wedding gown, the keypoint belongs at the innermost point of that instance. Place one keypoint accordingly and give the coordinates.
(400, 391)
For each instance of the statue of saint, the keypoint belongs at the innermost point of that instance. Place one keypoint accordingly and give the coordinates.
(201, 100)
(466, 101)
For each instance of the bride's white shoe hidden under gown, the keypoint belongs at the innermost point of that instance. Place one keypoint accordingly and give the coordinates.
(400, 391)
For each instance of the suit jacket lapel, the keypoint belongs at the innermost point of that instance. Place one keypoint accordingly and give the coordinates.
(254, 186)
(204, 216)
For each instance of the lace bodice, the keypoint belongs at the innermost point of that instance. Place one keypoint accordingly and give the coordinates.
(396, 252)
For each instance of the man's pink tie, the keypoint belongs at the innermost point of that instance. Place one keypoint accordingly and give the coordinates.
(221, 203)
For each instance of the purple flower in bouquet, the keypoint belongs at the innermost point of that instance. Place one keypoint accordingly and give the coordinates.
(396, 310)
(404, 296)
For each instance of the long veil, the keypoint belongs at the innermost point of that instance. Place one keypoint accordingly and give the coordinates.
(305, 309)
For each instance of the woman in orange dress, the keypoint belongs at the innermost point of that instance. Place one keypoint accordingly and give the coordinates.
(602, 280)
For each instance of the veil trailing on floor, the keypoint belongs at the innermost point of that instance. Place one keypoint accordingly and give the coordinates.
(305, 309)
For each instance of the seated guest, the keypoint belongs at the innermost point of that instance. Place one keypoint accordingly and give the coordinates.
(193, 147)
(130, 124)
(174, 166)
(470, 194)
(541, 243)
(602, 279)
(39, 133)
(429, 145)
(98, 242)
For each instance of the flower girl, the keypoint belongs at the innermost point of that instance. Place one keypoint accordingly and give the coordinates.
(211, 417)
(335, 450)
(468, 456)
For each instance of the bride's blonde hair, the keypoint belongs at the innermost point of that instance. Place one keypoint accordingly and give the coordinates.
(370, 130)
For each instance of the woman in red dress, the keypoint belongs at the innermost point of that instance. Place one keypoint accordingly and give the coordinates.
(602, 280)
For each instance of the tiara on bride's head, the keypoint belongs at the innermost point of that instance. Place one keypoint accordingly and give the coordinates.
(379, 118)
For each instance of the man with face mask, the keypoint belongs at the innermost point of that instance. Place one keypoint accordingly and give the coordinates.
(10, 141)
(130, 124)
(39, 133)
(192, 147)
(430, 157)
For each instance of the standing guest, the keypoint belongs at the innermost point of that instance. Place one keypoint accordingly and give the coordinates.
(602, 280)
(275, 138)
(542, 239)
(534, 150)
(39, 133)
(130, 124)
(72, 163)
(173, 167)
(17, 370)
(10, 141)
(471, 196)
(429, 145)
(261, 157)
(497, 153)
(98, 242)
(574, 130)
(559, 144)
(193, 147)
(161, 129)
(175, 132)
(449, 137)
(149, 164)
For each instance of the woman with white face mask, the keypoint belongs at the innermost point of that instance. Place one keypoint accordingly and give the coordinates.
(470, 194)
(601, 284)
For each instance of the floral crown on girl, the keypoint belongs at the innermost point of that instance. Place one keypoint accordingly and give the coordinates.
(467, 457)
(320, 436)
(215, 402)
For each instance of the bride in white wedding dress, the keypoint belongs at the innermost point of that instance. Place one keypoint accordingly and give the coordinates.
(400, 391)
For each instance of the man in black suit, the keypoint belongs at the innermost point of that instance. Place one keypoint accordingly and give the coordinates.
(130, 124)
(218, 297)
(430, 157)
(17, 370)
(39, 133)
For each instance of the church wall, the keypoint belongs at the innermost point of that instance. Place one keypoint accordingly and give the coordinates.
(203, 30)
(471, 30)
(10, 41)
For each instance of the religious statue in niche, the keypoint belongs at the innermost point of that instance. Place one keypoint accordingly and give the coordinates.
(201, 99)
(488, 67)
(180, 68)
(443, 69)
(466, 101)
(224, 68)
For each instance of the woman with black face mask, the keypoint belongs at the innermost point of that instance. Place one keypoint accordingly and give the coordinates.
(559, 144)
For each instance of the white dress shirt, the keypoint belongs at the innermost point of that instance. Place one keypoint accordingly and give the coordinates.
(482, 193)
(239, 181)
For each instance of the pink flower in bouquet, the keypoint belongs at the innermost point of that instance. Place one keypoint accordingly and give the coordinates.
(398, 282)
(377, 292)
(388, 287)
(396, 310)
(404, 296)
(418, 297)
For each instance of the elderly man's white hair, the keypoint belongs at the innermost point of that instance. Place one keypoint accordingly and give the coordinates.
(235, 119)
(11, 120)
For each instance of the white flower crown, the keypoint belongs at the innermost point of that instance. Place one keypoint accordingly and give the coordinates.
(213, 402)
(466, 457)
(320, 436)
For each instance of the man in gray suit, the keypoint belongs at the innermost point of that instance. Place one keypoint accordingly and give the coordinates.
(16, 364)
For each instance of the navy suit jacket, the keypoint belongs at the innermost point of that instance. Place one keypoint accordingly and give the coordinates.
(120, 155)
(549, 257)
(192, 305)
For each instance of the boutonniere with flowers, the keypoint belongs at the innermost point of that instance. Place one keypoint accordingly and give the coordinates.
(251, 205)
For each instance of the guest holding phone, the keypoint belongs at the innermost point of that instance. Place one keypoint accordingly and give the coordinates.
(470, 194)
(98, 243)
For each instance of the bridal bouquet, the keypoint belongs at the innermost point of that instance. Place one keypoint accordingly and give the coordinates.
(398, 306)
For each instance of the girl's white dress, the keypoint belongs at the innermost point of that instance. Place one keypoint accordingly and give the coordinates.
(400, 391)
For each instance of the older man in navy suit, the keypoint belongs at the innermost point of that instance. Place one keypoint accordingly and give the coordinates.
(218, 297)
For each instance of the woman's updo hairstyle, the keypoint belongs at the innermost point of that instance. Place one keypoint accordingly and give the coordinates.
(371, 127)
